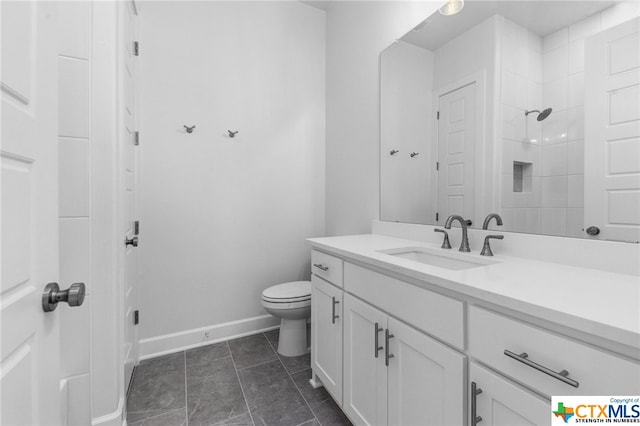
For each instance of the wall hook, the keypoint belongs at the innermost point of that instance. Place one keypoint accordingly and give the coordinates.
(232, 134)
(190, 129)
(414, 154)
(393, 152)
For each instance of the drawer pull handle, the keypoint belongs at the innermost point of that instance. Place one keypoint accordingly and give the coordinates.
(333, 310)
(376, 331)
(321, 267)
(387, 355)
(524, 358)
(475, 391)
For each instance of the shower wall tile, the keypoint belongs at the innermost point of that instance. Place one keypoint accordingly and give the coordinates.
(576, 56)
(555, 40)
(554, 191)
(507, 190)
(575, 124)
(555, 64)
(554, 94)
(509, 88)
(575, 191)
(553, 221)
(554, 160)
(554, 128)
(575, 90)
(575, 157)
(575, 222)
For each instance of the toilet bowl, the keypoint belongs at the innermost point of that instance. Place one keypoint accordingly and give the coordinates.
(292, 303)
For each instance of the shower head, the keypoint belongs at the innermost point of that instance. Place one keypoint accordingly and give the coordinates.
(541, 115)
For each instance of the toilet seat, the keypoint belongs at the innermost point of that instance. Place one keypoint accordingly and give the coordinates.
(291, 292)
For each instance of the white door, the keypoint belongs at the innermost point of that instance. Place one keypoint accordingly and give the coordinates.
(365, 374)
(326, 335)
(129, 184)
(502, 403)
(612, 133)
(426, 380)
(456, 146)
(30, 337)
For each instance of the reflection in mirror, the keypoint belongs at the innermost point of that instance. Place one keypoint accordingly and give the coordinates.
(527, 109)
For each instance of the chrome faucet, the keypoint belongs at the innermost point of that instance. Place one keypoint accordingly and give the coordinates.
(487, 219)
(464, 244)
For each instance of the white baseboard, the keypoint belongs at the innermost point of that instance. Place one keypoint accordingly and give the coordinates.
(188, 339)
(112, 419)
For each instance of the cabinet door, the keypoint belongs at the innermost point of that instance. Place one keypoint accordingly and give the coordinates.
(502, 403)
(426, 379)
(326, 335)
(365, 375)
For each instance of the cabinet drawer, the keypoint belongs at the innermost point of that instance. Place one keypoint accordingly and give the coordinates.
(327, 267)
(433, 313)
(596, 372)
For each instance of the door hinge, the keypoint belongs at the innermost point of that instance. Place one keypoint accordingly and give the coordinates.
(136, 317)
(437, 217)
(136, 48)
(437, 166)
(136, 227)
(438, 115)
(136, 138)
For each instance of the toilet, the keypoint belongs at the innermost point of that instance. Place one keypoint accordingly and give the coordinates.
(292, 303)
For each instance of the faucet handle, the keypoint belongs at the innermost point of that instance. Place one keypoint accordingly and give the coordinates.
(445, 243)
(486, 248)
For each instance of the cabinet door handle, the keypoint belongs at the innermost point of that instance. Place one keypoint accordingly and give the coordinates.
(376, 331)
(524, 358)
(387, 355)
(475, 391)
(333, 310)
(321, 267)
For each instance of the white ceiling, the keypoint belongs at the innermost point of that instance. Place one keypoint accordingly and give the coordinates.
(541, 17)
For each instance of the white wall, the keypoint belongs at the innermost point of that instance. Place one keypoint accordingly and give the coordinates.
(222, 219)
(406, 119)
(356, 34)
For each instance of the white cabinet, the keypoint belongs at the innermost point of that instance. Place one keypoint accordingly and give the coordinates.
(426, 379)
(406, 378)
(326, 335)
(365, 373)
(501, 403)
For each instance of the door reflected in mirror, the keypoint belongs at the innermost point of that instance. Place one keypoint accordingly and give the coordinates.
(511, 112)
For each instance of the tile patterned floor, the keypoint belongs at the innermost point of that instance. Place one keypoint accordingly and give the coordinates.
(240, 382)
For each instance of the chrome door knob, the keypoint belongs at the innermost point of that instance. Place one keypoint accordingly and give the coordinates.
(131, 242)
(52, 294)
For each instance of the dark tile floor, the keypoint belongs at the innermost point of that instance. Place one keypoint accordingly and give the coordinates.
(239, 382)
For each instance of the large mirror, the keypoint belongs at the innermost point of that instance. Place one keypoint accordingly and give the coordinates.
(529, 109)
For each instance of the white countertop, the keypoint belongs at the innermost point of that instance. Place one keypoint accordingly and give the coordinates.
(593, 301)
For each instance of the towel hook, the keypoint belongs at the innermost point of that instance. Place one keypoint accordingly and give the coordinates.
(232, 134)
(393, 152)
(189, 129)
(413, 154)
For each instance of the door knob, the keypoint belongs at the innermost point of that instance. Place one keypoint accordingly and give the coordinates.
(593, 230)
(131, 242)
(52, 294)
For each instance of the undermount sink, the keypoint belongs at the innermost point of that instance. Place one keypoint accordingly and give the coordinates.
(439, 258)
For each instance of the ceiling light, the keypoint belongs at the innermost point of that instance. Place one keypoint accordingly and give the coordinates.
(452, 7)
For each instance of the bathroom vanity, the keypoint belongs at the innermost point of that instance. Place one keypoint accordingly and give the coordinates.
(397, 340)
